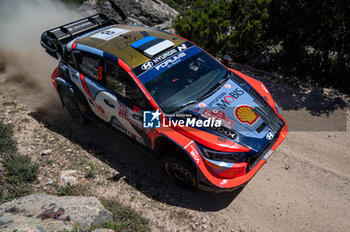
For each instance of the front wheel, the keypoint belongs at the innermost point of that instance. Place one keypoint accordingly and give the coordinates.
(72, 106)
(180, 172)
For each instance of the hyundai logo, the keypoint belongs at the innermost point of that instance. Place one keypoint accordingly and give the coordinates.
(147, 65)
(269, 135)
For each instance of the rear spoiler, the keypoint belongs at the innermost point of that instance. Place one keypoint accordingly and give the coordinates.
(54, 40)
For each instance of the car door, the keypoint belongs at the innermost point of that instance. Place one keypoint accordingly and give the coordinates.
(124, 103)
(88, 78)
(112, 95)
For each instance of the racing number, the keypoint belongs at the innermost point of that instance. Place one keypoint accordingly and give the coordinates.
(107, 32)
(99, 74)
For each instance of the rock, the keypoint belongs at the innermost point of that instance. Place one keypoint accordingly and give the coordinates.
(68, 177)
(103, 230)
(41, 212)
(166, 26)
(134, 21)
(89, 7)
(5, 219)
(145, 12)
(46, 152)
(49, 181)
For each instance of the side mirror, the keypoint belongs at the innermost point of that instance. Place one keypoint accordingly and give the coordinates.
(227, 60)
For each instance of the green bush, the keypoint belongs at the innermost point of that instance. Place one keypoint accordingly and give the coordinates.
(124, 218)
(221, 26)
(314, 38)
(7, 144)
(20, 170)
(308, 39)
(67, 190)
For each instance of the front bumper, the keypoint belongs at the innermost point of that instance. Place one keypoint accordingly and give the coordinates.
(207, 182)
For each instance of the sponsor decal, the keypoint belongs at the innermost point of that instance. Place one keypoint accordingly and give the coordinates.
(171, 61)
(193, 152)
(123, 111)
(169, 53)
(74, 28)
(146, 76)
(226, 132)
(216, 99)
(228, 86)
(158, 59)
(196, 110)
(264, 88)
(147, 65)
(267, 155)
(245, 114)
(270, 135)
(218, 115)
(202, 105)
(101, 109)
(109, 33)
(229, 98)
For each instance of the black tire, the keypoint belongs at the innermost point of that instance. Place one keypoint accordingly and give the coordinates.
(71, 104)
(180, 172)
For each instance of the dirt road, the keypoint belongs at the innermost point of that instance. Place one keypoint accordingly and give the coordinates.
(304, 186)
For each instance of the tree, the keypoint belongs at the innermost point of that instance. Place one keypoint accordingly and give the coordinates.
(221, 26)
(314, 39)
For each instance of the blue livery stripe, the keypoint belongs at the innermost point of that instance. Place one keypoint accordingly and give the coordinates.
(142, 41)
(149, 44)
(89, 49)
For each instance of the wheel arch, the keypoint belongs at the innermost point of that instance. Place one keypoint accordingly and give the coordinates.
(164, 145)
(82, 102)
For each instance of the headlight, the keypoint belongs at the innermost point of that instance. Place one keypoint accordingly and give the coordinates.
(231, 157)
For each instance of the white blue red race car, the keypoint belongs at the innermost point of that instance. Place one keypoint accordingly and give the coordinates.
(210, 127)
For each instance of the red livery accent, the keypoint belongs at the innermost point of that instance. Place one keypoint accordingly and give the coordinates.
(82, 78)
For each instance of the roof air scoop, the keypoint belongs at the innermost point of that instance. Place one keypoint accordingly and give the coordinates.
(151, 46)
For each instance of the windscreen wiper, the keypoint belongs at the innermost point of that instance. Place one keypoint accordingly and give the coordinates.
(185, 104)
(217, 85)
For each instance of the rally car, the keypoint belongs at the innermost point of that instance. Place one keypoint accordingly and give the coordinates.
(158, 90)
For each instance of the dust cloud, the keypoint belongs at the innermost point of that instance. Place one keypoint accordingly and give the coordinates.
(25, 67)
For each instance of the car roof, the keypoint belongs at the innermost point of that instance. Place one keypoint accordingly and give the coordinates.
(120, 46)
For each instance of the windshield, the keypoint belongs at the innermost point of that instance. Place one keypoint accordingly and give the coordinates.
(186, 82)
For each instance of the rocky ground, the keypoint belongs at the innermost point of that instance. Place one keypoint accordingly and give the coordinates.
(304, 186)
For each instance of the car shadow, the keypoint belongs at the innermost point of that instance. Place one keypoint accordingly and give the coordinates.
(134, 166)
(141, 171)
(292, 93)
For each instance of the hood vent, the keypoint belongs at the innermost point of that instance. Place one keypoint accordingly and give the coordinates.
(237, 79)
(265, 112)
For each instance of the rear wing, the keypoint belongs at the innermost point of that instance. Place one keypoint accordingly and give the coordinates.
(54, 40)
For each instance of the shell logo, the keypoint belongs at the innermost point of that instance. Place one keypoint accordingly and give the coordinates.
(245, 114)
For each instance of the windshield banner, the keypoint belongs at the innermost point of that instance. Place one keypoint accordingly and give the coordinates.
(158, 65)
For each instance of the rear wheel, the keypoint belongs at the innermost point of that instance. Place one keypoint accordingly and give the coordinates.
(180, 172)
(71, 105)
